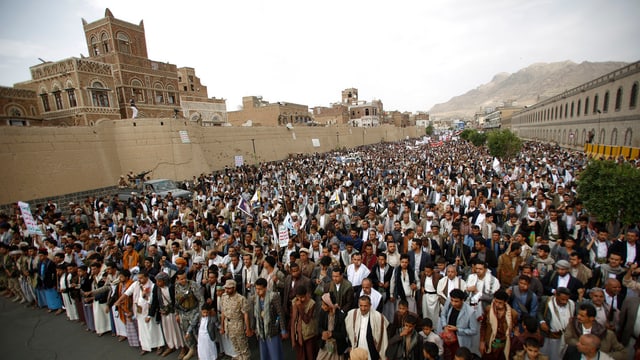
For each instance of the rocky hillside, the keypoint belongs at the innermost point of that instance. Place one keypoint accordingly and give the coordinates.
(525, 87)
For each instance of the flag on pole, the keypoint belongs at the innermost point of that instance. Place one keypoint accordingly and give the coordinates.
(288, 222)
(243, 206)
(255, 200)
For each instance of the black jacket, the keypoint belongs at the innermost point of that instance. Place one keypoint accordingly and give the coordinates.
(339, 329)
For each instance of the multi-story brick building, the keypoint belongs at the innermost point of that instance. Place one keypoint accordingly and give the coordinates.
(258, 112)
(117, 73)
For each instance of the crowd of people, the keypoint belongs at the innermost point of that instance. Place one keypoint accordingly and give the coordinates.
(407, 252)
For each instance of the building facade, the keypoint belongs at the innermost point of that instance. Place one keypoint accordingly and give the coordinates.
(602, 111)
(116, 74)
(258, 112)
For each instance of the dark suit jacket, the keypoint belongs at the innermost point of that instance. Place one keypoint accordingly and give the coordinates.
(289, 292)
(550, 282)
(621, 247)
(424, 259)
(157, 302)
(50, 279)
(344, 297)
(388, 273)
(339, 329)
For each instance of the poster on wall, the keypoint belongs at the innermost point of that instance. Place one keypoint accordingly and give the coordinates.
(315, 142)
(239, 160)
(184, 137)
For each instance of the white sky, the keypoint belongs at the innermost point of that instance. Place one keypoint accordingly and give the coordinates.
(409, 54)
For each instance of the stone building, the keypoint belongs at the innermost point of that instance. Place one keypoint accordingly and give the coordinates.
(258, 112)
(334, 115)
(602, 111)
(116, 74)
(196, 105)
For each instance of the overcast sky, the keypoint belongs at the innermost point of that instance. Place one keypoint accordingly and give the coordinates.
(409, 54)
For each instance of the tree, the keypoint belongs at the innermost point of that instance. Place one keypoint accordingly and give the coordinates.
(429, 130)
(466, 134)
(477, 138)
(609, 191)
(503, 144)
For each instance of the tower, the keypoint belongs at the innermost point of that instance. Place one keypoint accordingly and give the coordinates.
(350, 96)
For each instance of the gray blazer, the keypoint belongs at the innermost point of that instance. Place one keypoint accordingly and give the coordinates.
(467, 323)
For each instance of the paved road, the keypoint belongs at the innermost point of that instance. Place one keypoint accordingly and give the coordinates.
(37, 335)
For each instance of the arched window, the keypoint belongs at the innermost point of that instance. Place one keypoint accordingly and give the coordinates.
(579, 107)
(45, 100)
(586, 106)
(595, 104)
(159, 94)
(583, 138)
(618, 99)
(57, 96)
(614, 136)
(566, 110)
(99, 95)
(105, 42)
(572, 106)
(560, 111)
(137, 91)
(627, 137)
(124, 45)
(605, 103)
(602, 136)
(633, 99)
(95, 48)
(171, 95)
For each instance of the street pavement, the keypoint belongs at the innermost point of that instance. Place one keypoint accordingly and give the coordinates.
(30, 334)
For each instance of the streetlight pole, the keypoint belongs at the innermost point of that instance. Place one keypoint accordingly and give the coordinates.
(338, 138)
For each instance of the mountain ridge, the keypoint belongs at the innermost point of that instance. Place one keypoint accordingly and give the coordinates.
(527, 86)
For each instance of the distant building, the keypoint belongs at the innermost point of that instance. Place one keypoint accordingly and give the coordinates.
(116, 74)
(258, 112)
(421, 119)
(196, 106)
(334, 115)
(500, 117)
(602, 111)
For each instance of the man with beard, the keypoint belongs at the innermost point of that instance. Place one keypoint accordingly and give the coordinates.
(585, 323)
(554, 313)
(612, 269)
(367, 329)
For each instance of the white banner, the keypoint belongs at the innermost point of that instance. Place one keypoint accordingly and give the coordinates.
(283, 236)
(29, 221)
(239, 160)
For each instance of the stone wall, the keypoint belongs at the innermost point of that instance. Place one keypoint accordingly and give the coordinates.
(41, 163)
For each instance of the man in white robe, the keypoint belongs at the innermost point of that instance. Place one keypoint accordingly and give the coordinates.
(367, 329)
(149, 331)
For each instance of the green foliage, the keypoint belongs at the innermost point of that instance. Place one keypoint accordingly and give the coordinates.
(473, 136)
(503, 144)
(609, 191)
(466, 134)
(478, 138)
(429, 130)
